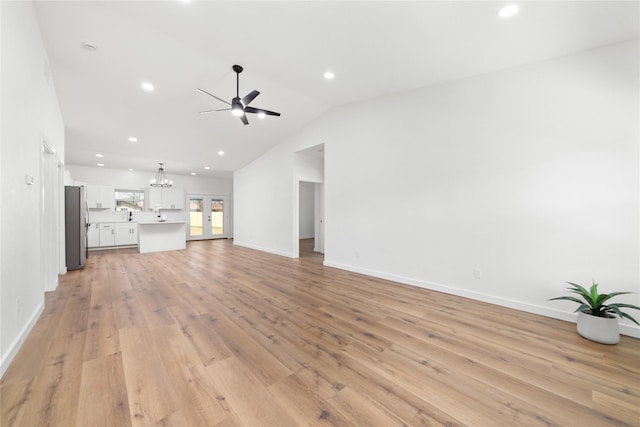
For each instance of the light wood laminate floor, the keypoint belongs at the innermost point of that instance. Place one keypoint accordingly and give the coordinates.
(218, 335)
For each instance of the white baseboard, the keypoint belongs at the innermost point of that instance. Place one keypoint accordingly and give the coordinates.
(629, 330)
(260, 248)
(7, 358)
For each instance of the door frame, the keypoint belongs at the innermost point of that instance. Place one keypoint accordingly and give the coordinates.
(49, 218)
(318, 211)
(206, 207)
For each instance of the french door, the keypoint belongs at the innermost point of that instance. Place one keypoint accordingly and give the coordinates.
(208, 217)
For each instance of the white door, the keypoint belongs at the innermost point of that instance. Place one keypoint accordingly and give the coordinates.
(208, 217)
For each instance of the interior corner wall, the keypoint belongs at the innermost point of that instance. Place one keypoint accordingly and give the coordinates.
(262, 216)
(266, 192)
(30, 115)
(524, 178)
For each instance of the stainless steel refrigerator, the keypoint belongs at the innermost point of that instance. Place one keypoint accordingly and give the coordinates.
(76, 224)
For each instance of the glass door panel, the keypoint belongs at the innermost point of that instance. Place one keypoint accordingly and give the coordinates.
(217, 217)
(196, 218)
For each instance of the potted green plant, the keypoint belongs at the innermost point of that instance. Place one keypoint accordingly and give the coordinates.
(597, 321)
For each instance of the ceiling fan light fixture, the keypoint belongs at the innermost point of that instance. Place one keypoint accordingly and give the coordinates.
(236, 107)
(240, 106)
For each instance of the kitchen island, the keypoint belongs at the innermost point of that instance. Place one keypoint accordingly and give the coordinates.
(158, 236)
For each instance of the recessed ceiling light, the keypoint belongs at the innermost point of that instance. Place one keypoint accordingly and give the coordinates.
(147, 86)
(508, 11)
(99, 155)
(261, 115)
(329, 75)
(193, 173)
(220, 153)
(100, 164)
(130, 169)
(207, 168)
(185, 1)
(89, 46)
(133, 139)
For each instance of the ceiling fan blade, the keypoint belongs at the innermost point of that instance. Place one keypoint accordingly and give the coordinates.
(213, 111)
(244, 119)
(260, 110)
(250, 97)
(213, 96)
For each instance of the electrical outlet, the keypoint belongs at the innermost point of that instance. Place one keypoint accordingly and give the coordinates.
(477, 273)
(357, 254)
(18, 306)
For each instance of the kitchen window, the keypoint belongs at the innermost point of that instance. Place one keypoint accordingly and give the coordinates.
(129, 200)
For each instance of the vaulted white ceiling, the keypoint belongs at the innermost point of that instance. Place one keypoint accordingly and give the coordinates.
(374, 49)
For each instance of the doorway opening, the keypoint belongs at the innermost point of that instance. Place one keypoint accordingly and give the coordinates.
(310, 219)
(208, 217)
(308, 207)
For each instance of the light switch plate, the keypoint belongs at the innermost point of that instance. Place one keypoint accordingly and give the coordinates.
(28, 179)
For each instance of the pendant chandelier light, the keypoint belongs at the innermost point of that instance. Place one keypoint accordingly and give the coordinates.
(160, 180)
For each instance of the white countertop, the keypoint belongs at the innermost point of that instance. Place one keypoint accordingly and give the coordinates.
(161, 222)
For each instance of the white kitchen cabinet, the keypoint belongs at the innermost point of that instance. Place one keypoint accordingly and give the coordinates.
(155, 198)
(166, 198)
(134, 234)
(173, 198)
(101, 197)
(107, 235)
(126, 234)
(93, 238)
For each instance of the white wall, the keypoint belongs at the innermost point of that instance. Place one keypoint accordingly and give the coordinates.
(30, 114)
(528, 175)
(4, 360)
(263, 218)
(306, 203)
(140, 180)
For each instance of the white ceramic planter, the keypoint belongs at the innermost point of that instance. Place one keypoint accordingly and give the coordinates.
(599, 329)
